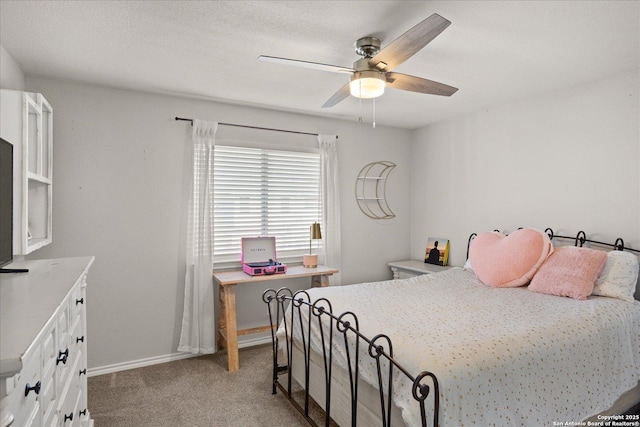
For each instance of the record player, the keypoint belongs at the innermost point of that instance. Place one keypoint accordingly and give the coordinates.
(259, 256)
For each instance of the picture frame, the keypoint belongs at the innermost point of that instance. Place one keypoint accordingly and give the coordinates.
(437, 251)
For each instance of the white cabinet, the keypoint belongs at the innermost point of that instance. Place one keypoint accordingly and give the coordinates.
(43, 370)
(26, 121)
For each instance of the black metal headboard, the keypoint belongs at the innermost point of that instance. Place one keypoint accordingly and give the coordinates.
(579, 240)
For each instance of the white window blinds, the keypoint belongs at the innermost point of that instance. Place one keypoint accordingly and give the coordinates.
(264, 192)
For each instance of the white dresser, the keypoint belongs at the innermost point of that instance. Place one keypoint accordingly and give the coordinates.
(412, 267)
(43, 344)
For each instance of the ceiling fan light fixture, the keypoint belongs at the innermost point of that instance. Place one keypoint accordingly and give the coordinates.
(367, 84)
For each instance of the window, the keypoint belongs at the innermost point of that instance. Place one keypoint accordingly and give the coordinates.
(264, 192)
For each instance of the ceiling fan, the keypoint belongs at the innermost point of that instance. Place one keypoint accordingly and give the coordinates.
(373, 72)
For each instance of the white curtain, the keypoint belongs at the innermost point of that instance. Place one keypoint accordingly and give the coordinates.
(198, 319)
(330, 195)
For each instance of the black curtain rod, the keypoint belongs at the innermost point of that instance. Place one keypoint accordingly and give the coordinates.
(255, 127)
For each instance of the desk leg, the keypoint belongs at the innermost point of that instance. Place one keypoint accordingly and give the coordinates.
(321, 281)
(228, 300)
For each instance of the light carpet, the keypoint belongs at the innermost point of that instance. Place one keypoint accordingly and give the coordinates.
(193, 392)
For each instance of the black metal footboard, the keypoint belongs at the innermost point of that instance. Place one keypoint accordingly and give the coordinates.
(305, 314)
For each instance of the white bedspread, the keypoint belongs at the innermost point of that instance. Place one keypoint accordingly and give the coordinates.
(503, 357)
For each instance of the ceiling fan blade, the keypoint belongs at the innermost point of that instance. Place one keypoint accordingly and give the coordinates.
(307, 64)
(408, 44)
(418, 84)
(341, 94)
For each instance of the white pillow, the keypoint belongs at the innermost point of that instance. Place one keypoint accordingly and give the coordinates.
(619, 276)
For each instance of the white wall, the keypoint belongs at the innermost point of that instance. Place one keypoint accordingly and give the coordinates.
(569, 160)
(120, 195)
(11, 75)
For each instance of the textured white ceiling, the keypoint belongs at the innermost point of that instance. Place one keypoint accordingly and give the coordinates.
(494, 51)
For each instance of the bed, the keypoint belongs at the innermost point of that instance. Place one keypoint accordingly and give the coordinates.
(456, 352)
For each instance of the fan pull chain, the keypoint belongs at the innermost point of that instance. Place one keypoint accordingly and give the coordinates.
(374, 113)
(360, 102)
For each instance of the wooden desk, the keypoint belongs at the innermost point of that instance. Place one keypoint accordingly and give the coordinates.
(227, 280)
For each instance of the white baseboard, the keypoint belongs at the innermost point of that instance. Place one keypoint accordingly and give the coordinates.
(132, 364)
(117, 367)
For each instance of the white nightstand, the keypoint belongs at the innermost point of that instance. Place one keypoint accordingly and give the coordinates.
(411, 268)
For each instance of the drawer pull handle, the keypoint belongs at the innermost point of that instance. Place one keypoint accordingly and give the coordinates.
(80, 339)
(62, 357)
(68, 417)
(35, 388)
(83, 371)
(83, 412)
(80, 301)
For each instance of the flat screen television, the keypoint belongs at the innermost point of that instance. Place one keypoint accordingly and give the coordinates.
(6, 207)
(6, 202)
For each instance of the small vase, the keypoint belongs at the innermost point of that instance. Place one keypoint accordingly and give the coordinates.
(310, 261)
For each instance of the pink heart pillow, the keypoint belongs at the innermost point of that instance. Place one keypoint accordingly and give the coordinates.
(509, 261)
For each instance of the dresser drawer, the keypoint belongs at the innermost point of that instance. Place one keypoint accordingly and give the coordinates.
(26, 404)
(76, 334)
(48, 392)
(48, 404)
(49, 352)
(51, 420)
(33, 418)
(63, 323)
(69, 409)
(63, 353)
(76, 301)
(82, 411)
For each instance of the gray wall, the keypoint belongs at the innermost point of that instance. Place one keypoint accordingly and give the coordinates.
(120, 194)
(11, 76)
(568, 160)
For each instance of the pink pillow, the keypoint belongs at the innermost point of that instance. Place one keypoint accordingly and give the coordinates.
(569, 272)
(509, 261)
